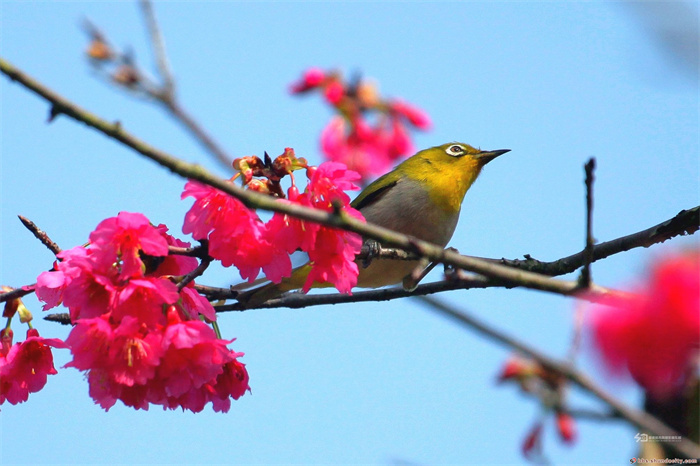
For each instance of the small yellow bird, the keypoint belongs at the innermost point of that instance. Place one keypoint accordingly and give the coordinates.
(421, 197)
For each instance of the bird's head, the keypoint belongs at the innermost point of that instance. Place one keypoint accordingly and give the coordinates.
(448, 171)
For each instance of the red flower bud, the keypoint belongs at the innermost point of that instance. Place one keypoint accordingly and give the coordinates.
(566, 426)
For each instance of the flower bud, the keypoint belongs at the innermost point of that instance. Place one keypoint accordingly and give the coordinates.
(368, 94)
(25, 314)
(99, 50)
(334, 92)
(260, 186)
(127, 76)
(6, 335)
(566, 426)
(312, 78)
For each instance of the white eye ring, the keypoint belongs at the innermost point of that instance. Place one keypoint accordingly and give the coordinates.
(455, 150)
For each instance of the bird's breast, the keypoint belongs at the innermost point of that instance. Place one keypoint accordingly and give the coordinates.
(406, 208)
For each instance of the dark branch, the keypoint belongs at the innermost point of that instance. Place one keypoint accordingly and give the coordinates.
(40, 235)
(198, 271)
(459, 280)
(588, 249)
(17, 293)
(686, 222)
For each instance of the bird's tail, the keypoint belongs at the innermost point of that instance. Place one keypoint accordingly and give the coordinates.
(263, 293)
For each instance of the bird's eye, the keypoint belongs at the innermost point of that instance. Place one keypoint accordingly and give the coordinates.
(455, 150)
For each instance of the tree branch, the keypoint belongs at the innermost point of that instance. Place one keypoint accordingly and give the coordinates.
(640, 419)
(255, 200)
(158, 45)
(588, 249)
(166, 93)
(40, 235)
(686, 222)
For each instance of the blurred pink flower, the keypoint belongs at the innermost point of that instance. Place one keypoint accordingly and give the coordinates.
(413, 115)
(369, 149)
(312, 78)
(653, 334)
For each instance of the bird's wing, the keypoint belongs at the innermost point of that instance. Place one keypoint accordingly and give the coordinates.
(375, 191)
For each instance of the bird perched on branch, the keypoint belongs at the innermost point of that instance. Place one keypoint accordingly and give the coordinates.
(421, 197)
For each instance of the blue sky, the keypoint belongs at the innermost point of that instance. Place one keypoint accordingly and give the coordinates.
(386, 383)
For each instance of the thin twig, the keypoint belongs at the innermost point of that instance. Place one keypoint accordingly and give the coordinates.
(588, 249)
(577, 335)
(40, 235)
(199, 133)
(166, 93)
(198, 271)
(460, 281)
(590, 415)
(158, 45)
(640, 419)
(17, 293)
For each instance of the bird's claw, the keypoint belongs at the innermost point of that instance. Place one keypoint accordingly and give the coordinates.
(373, 250)
(449, 270)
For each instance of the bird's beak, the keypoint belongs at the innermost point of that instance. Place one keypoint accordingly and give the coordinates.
(488, 155)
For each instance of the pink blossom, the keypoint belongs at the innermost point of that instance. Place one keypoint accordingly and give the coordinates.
(328, 182)
(414, 115)
(236, 235)
(25, 367)
(360, 147)
(664, 315)
(134, 353)
(231, 383)
(143, 299)
(312, 78)
(89, 342)
(333, 259)
(566, 426)
(287, 233)
(195, 304)
(181, 364)
(90, 292)
(348, 137)
(214, 209)
(334, 92)
(193, 356)
(50, 285)
(123, 238)
(399, 142)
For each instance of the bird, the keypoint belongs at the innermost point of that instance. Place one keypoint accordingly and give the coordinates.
(421, 197)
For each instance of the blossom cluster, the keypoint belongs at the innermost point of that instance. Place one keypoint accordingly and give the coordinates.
(238, 237)
(653, 333)
(139, 338)
(350, 138)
